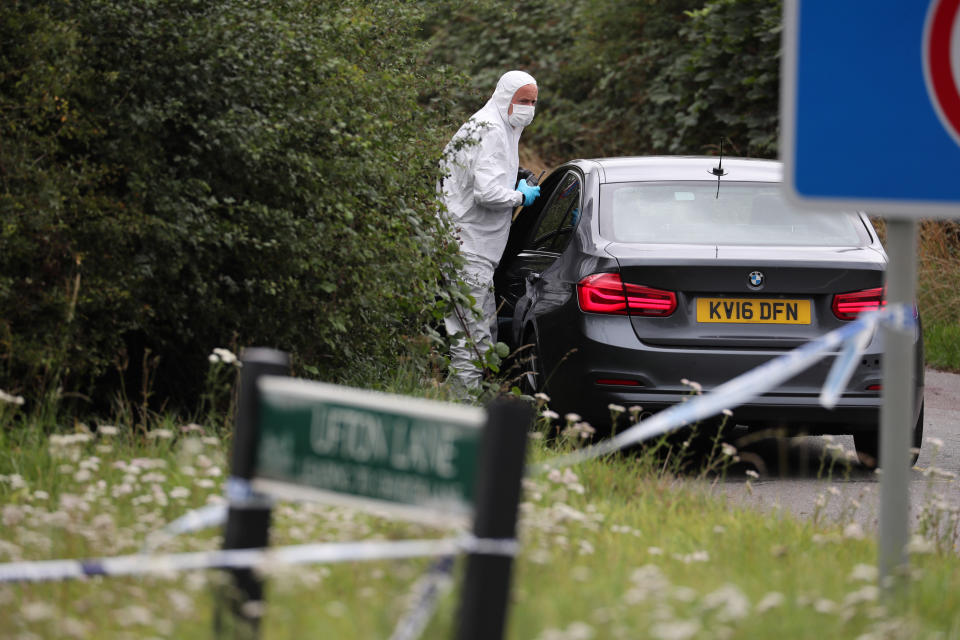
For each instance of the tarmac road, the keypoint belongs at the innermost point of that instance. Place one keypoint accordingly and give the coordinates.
(793, 475)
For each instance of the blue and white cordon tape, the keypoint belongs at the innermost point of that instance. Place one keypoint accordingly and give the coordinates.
(166, 564)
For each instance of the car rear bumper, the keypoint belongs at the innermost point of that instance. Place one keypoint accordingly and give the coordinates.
(604, 351)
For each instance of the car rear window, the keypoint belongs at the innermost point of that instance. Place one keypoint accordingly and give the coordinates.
(739, 214)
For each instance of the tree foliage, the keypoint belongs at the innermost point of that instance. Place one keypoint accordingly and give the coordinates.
(180, 175)
(618, 78)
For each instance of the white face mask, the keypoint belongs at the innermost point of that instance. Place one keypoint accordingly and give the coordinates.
(522, 115)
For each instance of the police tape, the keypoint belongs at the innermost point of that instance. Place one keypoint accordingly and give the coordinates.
(425, 595)
(329, 553)
(206, 517)
(853, 337)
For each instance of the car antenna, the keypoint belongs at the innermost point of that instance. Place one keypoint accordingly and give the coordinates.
(718, 170)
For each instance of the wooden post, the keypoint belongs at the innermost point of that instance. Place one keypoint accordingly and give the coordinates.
(486, 586)
(248, 519)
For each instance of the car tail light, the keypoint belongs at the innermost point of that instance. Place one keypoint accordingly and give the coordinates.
(847, 306)
(617, 382)
(607, 293)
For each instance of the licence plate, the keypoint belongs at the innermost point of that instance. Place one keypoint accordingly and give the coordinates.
(753, 310)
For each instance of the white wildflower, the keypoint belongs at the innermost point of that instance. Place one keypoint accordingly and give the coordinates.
(550, 415)
(771, 600)
(227, 356)
(616, 408)
(752, 474)
(579, 631)
(867, 593)
(675, 630)
(684, 594)
(179, 493)
(108, 430)
(15, 480)
(853, 531)
(572, 418)
(696, 556)
(825, 606)
(727, 413)
(133, 615)
(728, 449)
(655, 551)
(213, 358)
(36, 611)
(919, 544)
(11, 399)
(935, 442)
(160, 434)
(729, 601)
(12, 515)
(863, 572)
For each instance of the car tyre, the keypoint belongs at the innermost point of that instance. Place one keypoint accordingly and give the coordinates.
(868, 444)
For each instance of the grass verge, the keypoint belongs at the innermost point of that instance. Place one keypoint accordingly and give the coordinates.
(615, 548)
(941, 341)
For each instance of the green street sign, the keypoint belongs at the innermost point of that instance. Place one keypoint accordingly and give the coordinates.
(411, 456)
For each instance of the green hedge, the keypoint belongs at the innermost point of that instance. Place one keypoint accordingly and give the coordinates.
(181, 174)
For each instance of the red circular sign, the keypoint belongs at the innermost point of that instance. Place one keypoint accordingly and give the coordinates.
(941, 62)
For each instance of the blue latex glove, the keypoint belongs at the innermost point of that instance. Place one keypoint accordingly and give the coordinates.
(530, 193)
(575, 216)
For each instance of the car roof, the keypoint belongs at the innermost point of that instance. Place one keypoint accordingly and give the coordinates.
(665, 168)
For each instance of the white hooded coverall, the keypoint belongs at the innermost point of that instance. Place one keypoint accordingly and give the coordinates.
(479, 192)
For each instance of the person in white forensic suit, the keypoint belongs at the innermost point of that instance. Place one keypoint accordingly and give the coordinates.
(480, 190)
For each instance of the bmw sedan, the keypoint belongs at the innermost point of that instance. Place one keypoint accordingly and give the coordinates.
(631, 277)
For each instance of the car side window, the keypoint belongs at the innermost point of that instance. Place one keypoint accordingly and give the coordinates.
(559, 217)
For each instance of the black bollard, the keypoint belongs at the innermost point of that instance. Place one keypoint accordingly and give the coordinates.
(239, 603)
(486, 585)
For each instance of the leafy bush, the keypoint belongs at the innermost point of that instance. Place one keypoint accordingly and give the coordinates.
(196, 174)
(619, 78)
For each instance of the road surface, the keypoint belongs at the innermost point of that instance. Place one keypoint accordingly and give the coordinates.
(795, 477)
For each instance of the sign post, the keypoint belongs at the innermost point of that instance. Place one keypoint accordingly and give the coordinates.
(870, 120)
(401, 456)
(248, 518)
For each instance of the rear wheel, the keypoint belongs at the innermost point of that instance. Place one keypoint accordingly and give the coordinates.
(868, 444)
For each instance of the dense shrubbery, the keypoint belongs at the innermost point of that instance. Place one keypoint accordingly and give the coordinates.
(655, 76)
(180, 175)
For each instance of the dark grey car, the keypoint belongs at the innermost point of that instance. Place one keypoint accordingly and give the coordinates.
(630, 275)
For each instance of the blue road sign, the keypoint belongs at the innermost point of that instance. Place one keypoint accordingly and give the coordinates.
(870, 105)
